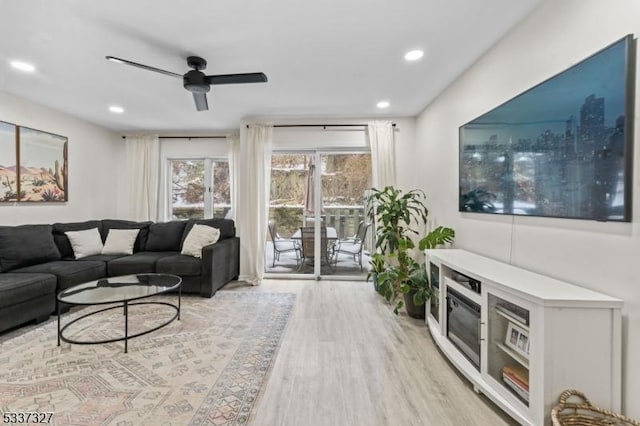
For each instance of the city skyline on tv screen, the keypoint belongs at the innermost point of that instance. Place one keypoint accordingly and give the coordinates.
(559, 149)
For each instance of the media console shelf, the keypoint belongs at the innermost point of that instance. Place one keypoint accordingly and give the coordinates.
(537, 335)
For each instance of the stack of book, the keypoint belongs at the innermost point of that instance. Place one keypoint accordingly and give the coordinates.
(517, 378)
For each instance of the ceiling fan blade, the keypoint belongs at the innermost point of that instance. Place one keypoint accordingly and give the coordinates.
(252, 77)
(144, 67)
(201, 101)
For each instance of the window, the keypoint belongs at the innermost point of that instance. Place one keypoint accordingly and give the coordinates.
(199, 188)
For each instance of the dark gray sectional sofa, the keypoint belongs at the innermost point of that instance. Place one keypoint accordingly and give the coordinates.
(37, 262)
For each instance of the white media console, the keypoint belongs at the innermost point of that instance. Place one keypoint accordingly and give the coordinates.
(537, 336)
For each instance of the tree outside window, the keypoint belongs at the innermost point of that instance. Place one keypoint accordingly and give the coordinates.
(200, 188)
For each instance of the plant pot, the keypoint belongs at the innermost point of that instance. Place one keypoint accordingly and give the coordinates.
(413, 310)
(374, 278)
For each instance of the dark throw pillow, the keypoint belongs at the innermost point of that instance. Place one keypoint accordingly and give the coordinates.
(26, 245)
(165, 236)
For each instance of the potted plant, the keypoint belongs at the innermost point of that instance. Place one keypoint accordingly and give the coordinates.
(377, 266)
(399, 266)
(417, 289)
(394, 213)
(416, 292)
(398, 215)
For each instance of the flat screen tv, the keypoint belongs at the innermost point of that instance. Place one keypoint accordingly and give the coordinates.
(561, 149)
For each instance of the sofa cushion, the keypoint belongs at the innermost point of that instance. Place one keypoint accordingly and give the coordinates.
(138, 263)
(226, 226)
(16, 288)
(26, 245)
(120, 241)
(69, 272)
(199, 236)
(165, 236)
(103, 257)
(179, 265)
(85, 243)
(141, 240)
(62, 241)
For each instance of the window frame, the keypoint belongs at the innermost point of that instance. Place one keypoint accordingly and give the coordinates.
(209, 183)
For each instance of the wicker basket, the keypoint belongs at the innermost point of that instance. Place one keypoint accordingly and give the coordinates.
(583, 413)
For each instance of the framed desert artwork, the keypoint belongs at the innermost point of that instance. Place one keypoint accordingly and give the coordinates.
(8, 163)
(42, 158)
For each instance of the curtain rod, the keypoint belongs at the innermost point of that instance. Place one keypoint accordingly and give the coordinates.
(322, 125)
(188, 137)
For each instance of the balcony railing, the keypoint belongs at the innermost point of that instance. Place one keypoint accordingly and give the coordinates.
(345, 219)
(196, 211)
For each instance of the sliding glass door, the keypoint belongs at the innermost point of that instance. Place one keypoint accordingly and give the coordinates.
(346, 177)
(316, 206)
(290, 180)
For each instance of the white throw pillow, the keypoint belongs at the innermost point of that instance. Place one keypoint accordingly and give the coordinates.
(120, 241)
(198, 237)
(85, 243)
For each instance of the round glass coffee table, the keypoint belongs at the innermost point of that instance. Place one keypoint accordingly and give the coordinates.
(121, 290)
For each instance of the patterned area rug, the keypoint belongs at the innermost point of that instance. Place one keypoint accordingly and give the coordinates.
(208, 368)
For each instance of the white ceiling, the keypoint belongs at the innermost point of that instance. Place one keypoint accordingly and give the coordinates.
(330, 58)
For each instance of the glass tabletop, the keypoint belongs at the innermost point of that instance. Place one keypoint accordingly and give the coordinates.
(119, 289)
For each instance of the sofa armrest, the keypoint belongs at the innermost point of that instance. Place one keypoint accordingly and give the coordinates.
(220, 264)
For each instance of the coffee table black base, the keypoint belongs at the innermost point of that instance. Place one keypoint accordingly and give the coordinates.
(126, 324)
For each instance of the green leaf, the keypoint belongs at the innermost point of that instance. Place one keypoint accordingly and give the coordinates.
(440, 235)
(399, 305)
(418, 299)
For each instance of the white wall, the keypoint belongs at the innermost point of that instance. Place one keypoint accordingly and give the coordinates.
(600, 256)
(95, 157)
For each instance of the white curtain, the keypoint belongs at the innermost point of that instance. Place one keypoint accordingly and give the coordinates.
(381, 141)
(234, 157)
(253, 211)
(143, 165)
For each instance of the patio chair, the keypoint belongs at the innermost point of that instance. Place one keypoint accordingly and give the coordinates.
(354, 238)
(282, 245)
(353, 247)
(308, 245)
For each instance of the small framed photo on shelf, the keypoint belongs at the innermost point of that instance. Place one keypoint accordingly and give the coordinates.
(518, 340)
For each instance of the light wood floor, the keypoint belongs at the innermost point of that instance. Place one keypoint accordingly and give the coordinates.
(346, 359)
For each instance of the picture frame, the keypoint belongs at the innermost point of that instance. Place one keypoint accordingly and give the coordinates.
(42, 171)
(8, 163)
(517, 339)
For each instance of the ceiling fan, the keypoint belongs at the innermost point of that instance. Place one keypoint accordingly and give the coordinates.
(196, 82)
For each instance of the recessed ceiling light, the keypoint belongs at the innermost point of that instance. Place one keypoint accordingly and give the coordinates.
(23, 66)
(414, 55)
(383, 104)
(116, 109)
